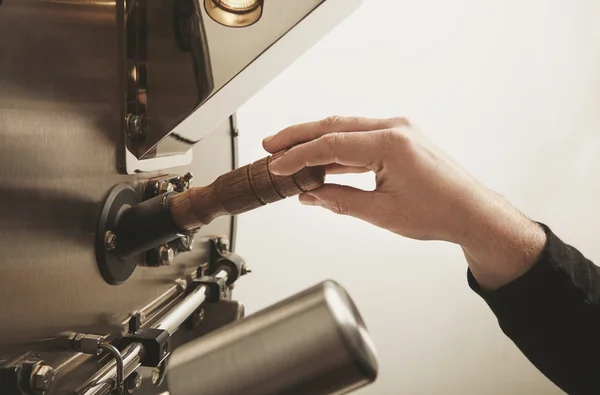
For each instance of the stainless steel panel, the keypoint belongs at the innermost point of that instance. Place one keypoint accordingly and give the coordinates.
(61, 131)
(314, 343)
(187, 72)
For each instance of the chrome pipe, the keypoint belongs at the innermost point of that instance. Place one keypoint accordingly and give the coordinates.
(313, 343)
(176, 317)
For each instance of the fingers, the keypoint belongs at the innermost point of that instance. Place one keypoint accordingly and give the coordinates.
(341, 199)
(302, 133)
(357, 149)
(335, 168)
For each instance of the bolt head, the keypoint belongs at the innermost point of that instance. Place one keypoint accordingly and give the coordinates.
(181, 284)
(223, 244)
(110, 240)
(43, 378)
(165, 255)
(164, 186)
(136, 126)
(188, 176)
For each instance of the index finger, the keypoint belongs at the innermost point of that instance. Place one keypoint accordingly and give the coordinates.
(302, 133)
(360, 149)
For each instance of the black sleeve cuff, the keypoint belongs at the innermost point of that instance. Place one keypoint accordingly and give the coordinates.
(560, 276)
(552, 314)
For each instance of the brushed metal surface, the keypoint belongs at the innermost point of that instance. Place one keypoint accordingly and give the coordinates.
(314, 342)
(61, 131)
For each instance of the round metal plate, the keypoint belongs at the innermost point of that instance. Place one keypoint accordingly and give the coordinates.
(114, 268)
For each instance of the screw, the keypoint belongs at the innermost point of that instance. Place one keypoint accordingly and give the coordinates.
(246, 270)
(135, 125)
(133, 382)
(165, 256)
(110, 240)
(42, 378)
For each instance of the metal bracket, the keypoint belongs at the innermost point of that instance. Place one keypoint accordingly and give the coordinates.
(136, 229)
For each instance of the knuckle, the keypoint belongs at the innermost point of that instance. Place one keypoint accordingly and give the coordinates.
(399, 122)
(332, 121)
(394, 140)
(397, 135)
(332, 142)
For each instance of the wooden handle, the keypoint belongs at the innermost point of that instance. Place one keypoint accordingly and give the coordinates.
(239, 191)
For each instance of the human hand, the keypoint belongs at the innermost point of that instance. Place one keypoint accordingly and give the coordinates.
(420, 193)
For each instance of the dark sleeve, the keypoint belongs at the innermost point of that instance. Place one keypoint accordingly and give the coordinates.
(552, 314)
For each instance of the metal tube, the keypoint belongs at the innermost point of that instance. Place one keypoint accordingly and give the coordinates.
(312, 343)
(176, 317)
(103, 382)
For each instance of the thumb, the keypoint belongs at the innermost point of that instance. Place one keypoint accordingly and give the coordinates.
(340, 199)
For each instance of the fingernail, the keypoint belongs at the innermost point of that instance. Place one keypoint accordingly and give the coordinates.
(309, 200)
(267, 139)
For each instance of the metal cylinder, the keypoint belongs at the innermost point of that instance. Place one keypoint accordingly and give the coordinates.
(146, 225)
(314, 342)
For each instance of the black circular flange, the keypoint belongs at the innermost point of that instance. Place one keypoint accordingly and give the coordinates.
(114, 268)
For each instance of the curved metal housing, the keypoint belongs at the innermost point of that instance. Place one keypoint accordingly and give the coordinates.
(186, 72)
(314, 342)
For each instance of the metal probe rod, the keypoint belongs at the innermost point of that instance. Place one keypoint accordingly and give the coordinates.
(176, 317)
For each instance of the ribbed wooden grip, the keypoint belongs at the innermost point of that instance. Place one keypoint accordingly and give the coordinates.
(240, 191)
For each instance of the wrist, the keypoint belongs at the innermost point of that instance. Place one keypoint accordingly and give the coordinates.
(502, 244)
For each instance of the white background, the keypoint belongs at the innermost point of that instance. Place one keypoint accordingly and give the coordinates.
(512, 90)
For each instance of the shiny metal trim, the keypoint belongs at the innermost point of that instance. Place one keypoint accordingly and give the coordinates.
(134, 165)
(179, 314)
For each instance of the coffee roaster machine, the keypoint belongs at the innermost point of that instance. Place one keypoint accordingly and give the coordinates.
(119, 191)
